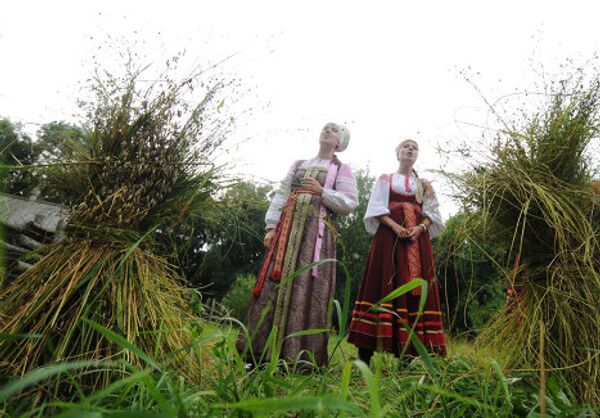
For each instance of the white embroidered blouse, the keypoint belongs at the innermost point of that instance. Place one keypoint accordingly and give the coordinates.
(342, 200)
(380, 196)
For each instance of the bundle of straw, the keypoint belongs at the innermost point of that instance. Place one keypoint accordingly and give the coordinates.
(533, 196)
(145, 163)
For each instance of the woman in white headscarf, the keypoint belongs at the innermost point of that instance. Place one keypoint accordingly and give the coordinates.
(300, 230)
(402, 215)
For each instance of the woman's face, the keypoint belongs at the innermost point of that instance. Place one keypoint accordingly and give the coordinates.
(409, 151)
(330, 135)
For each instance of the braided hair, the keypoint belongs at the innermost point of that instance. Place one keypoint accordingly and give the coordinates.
(336, 160)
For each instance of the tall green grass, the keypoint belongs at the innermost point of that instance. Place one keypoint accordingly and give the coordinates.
(465, 384)
(461, 387)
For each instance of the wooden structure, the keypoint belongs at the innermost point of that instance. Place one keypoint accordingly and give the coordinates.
(25, 225)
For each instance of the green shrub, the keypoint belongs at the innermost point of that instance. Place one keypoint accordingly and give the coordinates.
(238, 296)
(471, 284)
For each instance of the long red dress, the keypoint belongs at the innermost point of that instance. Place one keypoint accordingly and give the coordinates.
(393, 262)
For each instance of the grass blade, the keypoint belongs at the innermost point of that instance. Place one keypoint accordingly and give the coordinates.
(42, 374)
(120, 340)
(373, 386)
(286, 404)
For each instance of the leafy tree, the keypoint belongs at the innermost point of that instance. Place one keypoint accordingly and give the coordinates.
(233, 245)
(239, 295)
(470, 282)
(59, 143)
(16, 149)
(353, 239)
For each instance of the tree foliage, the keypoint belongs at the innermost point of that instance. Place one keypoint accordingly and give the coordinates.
(471, 286)
(233, 245)
(16, 152)
(353, 240)
(58, 143)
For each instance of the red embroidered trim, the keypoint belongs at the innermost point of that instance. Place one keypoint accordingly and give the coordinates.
(411, 214)
(407, 184)
(263, 271)
(285, 226)
(386, 178)
(280, 246)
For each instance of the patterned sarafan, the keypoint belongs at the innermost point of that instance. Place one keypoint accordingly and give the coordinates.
(393, 262)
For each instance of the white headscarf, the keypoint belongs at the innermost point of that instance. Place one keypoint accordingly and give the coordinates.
(344, 135)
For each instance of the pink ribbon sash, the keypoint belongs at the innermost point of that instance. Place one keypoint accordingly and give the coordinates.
(329, 181)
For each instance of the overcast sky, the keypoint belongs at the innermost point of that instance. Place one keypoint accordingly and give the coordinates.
(386, 69)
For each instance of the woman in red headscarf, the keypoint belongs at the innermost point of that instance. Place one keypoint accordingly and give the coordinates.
(402, 215)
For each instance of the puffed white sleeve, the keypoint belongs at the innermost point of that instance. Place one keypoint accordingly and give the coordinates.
(344, 199)
(431, 209)
(280, 199)
(378, 203)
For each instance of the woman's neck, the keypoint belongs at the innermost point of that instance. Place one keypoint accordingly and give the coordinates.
(325, 153)
(405, 169)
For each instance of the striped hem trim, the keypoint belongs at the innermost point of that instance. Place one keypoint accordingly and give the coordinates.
(383, 305)
(402, 330)
(391, 324)
(426, 313)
